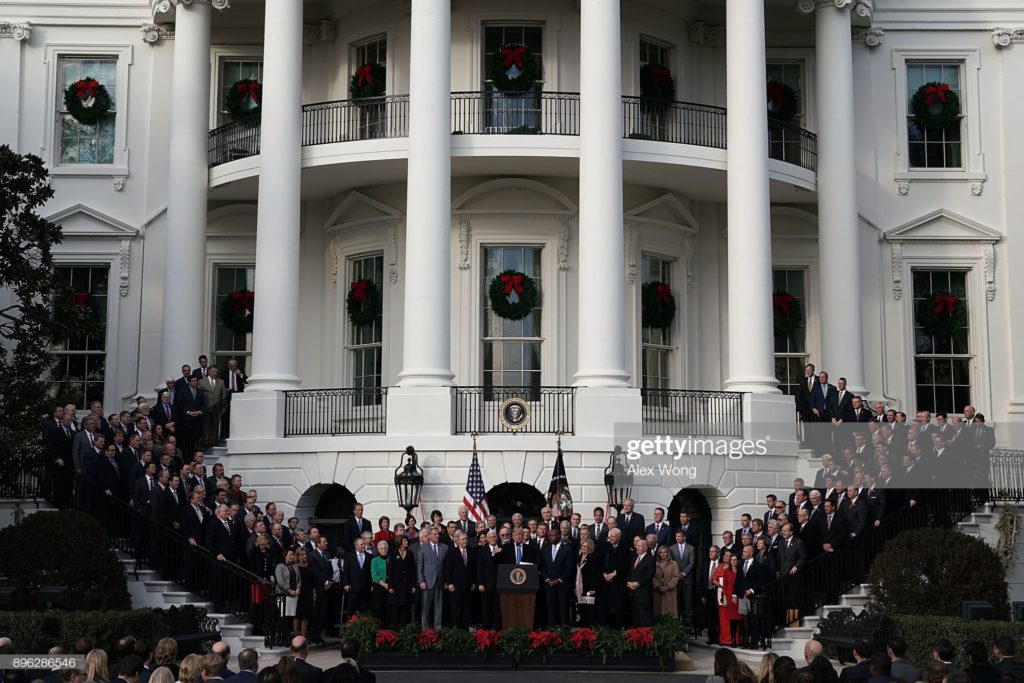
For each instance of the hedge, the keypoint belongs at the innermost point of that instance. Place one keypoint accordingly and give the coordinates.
(922, 632)
(105, 628)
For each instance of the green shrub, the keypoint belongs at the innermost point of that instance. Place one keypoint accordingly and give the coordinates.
(930, 572)
(105, 628)
(922, 632)
(65, 549)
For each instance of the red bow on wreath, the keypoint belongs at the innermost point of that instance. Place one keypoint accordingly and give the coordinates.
(782, 302)
(364, 75)
(85, 89)
(664, 292)
(662, 76)
(359, 289)
(512, 282)
(776, 92)
(933, 92)
(81, 298)
(513, 55)
(243, 300)
(252, 90)
(944, 302)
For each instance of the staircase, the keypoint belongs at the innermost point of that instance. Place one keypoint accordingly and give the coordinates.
(790, 640)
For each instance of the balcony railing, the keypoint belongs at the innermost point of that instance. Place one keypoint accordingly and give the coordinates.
(680, 412)
(329, 412)
(1006, 476)
(549, 409)
(497, 113)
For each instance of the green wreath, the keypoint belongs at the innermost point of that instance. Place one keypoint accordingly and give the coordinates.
(787, 314)
(783, 102)
(82, 91)
(941, 313)
(513, 58)
(658, 306)
(935, 105)
(501, 290)
(369, 80)
(241, 96)
(656, 82)
(363, 303)
(236, 311)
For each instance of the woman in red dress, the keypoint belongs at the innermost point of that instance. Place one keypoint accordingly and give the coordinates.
(724, 578)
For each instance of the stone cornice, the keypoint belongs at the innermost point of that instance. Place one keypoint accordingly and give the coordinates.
(872, 37)
(165, 5)
(22, 31)
(1004, 37)
(862, 8)
(154, 33)
(324, 31)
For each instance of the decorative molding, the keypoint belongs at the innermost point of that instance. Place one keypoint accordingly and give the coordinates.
(632, 250)
(165, 5)
(334, 263)
(324, 31)
(903, 187)
(990, 271)
(977, 188)
(154, 33)
(119, 181)
(688, 260)
(1004, 37)
(712, 35)
(872, 37)
(393, 253)
(896, 249)
(125, 260)
(864, 9)
(563, 245)
(465, 232)
(809, 6)
(22, 31)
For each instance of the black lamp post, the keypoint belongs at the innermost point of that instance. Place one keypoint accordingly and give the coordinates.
(618, 482)
(409, 481)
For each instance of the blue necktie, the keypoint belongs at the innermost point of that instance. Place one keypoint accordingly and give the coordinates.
(519, 554)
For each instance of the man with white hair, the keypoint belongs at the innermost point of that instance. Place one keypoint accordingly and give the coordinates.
(467, 526)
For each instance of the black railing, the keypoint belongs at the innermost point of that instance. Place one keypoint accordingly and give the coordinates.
(793, 145)
(549, 410)
(329, 412)
(235, 140)
(681, 412)
(1006, 476)
(508, 113)
(679, 122)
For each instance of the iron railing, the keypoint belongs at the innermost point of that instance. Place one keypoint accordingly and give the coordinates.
(682, 412)
(1006, 476)
(505, 113)
(329, 412)
(549, 409)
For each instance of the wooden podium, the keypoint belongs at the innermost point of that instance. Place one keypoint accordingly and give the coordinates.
(517, 588)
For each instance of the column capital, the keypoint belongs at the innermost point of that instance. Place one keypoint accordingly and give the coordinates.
(862, 8)
(22, 31)
(154, 33)
(1004, 37)
(165, 5)
(323, 31)
(872, 37)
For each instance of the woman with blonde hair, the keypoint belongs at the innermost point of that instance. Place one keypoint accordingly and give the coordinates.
(289, 672)
(190, 670)
(767, 672)
(96, 666)
(164, 654)
(666, 578)
(162, 675)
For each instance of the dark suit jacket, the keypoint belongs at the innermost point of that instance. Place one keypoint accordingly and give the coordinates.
(562, 567)
(487, 566)
(842, 409)
(242, 677)
(803, 400)
(357, 579)
(508, 554)
(160, 416)
(108, 478)
(643, 574)
(857, 514)
(754, 579)
(365, 675)
(850, 673)
(635, 527)
(219, 541)
(240, 382)
(307, 672)
(185, 402)
(460, 575)
(823, 398)
(691, 534)
(353, 531)
(191, 527)
(796, 556)
(835, 535)
(599, 537)
(665, 534)
(811, 537)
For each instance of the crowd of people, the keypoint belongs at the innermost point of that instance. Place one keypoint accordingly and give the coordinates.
(136, 660)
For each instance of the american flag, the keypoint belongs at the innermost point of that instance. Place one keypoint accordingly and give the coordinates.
(475, 497)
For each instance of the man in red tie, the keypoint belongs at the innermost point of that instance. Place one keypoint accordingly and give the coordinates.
(459, 573)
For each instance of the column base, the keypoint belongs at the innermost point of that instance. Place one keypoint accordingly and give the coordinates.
(608, 411)
(420, 411)
(753, 384)
(257, 415)
(426, 378)
(273, 383)
(614, 379)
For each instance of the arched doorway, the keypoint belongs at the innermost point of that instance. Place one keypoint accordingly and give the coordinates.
(693, 502)
(504, 500)
(332, 509)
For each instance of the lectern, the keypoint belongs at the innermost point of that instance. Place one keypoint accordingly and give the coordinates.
(517, 586)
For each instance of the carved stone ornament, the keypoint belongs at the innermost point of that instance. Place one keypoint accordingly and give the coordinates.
(1004, 37)
(119, 181)
(393, 255)
(632, 248)
(872, 37)
(165, 5)
(700, 33)
(990, 272)
(808, 6)
(977, 188)
(22, 31)
(465, 230)
(154, 33)
(124, 266)
(903, 187)
(323, 31)
(896, 252)
(563, 245)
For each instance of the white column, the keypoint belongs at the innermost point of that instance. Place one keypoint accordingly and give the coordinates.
(842, 333)
(427, 341)
(751, 361)
(602, 318)
(185, 249)
(275, 355)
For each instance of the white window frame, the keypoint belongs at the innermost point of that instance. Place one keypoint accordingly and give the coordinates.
(677, 281)
(352, 41)
(218, 54)
(807, 115)
(551, 26)
(973, 169)
(215, 263)
(51, 145)
(349, 346)
(809, 290)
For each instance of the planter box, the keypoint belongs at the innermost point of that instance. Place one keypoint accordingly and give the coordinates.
(394, 661)
(569, 662)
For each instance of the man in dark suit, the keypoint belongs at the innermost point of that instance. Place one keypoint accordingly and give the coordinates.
(860, 415)
(685, 557)
(320, 561)
(792, 557)
(204, 368)
(707, 593)
(834, 531)
(518, 551)
(192, 522)
(613, 598)
(750, 581)
(808, 532)
(459, 579)
(488, 556)
(599, 529)
(630, 522)
(660, 528)
(823, 398)
(690, 531)
(829, 470)
(190, 404)
(350, 653)
(107, 476)
(355, 579)
(841, 408)
(355, 526)
(558, 569)
(182, 382)
(803, 394)
(861, 653)
(299, 650)
(234, 383)
(248, 665)
(221, 544)
(641, 587)
(855, 511)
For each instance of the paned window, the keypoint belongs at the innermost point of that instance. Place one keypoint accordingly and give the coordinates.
(942, 364)
(232, 70)
(366, 342)
(78, 375)
(656, 343)
(791, 350)
(511, 348)
(87, 143)
(228, 344)
(934, 147)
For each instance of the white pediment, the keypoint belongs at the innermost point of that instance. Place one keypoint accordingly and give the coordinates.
(81, 221)
(666, 211)
(943, 226)
(513, 196)
(357, 209)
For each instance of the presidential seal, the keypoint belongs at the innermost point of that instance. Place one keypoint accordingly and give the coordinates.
(517, 577)
(514, 414)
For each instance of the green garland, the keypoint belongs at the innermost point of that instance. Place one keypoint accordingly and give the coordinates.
(787, 314)
(236, 311)
(364, 302)
(658, 306)
(935, 105)
(502, 62)
(941, 313)
(239, 96)
(80, 92)
(656, 82)
(369, 80)
(783, 102)
(501, 289)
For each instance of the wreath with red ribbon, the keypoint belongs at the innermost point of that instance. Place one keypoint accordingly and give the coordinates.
(87, 100)
(513, 295)
(363, 303)
(369, 80)
(783, 102)
(941, 313)
(513, 69)
(244, 98)
(935, 105)
(787, 314)
(236, 311)
(657, 305)
(656, 82)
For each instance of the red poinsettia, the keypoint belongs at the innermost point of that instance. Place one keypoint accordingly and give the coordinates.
(639, 637)
(584, 639)
(386, 639)
(540, 639)
(81, 299)
(427, 639)
(487, 638)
